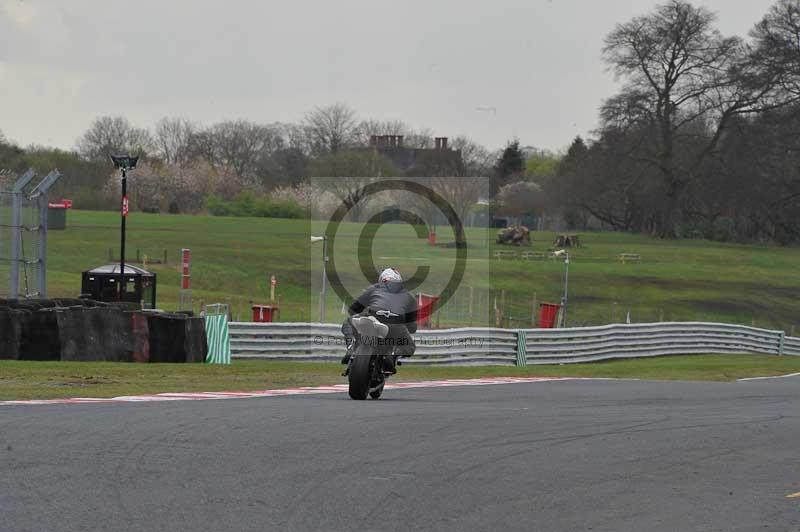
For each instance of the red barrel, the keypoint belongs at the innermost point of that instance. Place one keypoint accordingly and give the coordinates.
(265, 313)
(548, 313)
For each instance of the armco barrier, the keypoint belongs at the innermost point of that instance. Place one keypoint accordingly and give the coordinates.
(320, 342)
(489, 346)
(588, 344)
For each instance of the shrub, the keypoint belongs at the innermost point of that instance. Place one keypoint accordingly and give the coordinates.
(724, 229)
(217, 206)
(247, 204)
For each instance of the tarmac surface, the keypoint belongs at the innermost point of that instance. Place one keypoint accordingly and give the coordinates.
(544, 456)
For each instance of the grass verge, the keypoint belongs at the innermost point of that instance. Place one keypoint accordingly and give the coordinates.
(50, 380)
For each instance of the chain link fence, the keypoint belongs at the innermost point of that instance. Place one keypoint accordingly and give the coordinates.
(23, 234)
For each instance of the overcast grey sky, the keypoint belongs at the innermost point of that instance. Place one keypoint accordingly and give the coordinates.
(430, 63)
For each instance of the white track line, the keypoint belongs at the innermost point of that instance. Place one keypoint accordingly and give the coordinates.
(765, 378)
(307, 390)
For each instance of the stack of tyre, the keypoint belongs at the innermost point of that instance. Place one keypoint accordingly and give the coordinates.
(86, 330)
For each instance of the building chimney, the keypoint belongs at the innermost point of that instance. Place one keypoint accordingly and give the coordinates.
(438, 143)
(444, 143)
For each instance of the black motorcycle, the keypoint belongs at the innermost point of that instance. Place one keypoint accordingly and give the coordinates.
(367, 367)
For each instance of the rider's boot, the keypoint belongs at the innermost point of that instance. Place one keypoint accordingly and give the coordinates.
(389, 364)
(350, 342)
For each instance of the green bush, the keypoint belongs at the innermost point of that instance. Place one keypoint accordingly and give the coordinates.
(724, 229)
(217, 206)
(247, 204)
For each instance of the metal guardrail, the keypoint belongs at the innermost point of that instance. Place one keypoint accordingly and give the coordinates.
(489, 346)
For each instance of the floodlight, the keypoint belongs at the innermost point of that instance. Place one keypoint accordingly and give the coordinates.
(124, 162)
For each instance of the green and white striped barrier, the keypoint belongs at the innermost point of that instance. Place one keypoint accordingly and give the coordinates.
(522, 354)
(219, 341)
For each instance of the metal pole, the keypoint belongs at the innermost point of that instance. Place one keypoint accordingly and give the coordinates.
(324, 279)
(16, 233)
(123, 208)
(43, 214)
(16, 230)
(566, 291)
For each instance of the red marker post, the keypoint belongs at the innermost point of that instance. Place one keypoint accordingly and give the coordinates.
(186, 278)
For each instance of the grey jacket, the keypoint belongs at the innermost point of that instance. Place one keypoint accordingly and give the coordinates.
(389, 296)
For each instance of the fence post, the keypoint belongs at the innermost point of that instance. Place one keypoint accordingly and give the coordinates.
(471, 296)
(522, 354)
(782, 335)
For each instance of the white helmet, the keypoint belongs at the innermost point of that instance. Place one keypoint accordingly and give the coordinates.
(390, 275)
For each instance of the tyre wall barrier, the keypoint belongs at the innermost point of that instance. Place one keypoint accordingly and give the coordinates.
(97, 334)
(176, 338)
(196, 343)
(141, 338)
(80, 330)
(40, 335)
(10, 333)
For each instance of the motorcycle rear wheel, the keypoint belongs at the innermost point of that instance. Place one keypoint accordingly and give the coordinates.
(359, 375)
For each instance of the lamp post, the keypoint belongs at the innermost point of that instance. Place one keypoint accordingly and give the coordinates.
(564, 253)
(324, 240)
(124, 163)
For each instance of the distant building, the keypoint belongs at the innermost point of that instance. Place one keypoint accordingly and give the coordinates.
(415, 162)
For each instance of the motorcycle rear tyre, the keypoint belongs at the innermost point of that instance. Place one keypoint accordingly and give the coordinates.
(359, 373)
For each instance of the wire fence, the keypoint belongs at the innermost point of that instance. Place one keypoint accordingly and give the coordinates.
(20, 234)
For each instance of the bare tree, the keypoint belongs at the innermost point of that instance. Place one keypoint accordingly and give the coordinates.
(368, 128)
(330, 129)
(461, 192)
(419, 138)
(679, 72)
(777, 45)
(346, 173)
(239, 146)
(478, 161)
(112, 135)
(173, 140)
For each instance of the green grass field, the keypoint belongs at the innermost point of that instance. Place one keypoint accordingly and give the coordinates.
(48, 380)
(234, 257)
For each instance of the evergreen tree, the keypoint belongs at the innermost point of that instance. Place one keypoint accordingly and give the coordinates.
(510, 166)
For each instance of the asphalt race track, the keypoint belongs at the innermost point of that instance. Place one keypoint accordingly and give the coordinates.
(572, 455)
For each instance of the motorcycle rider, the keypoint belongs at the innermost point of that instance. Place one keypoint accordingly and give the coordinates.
(387, 294)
